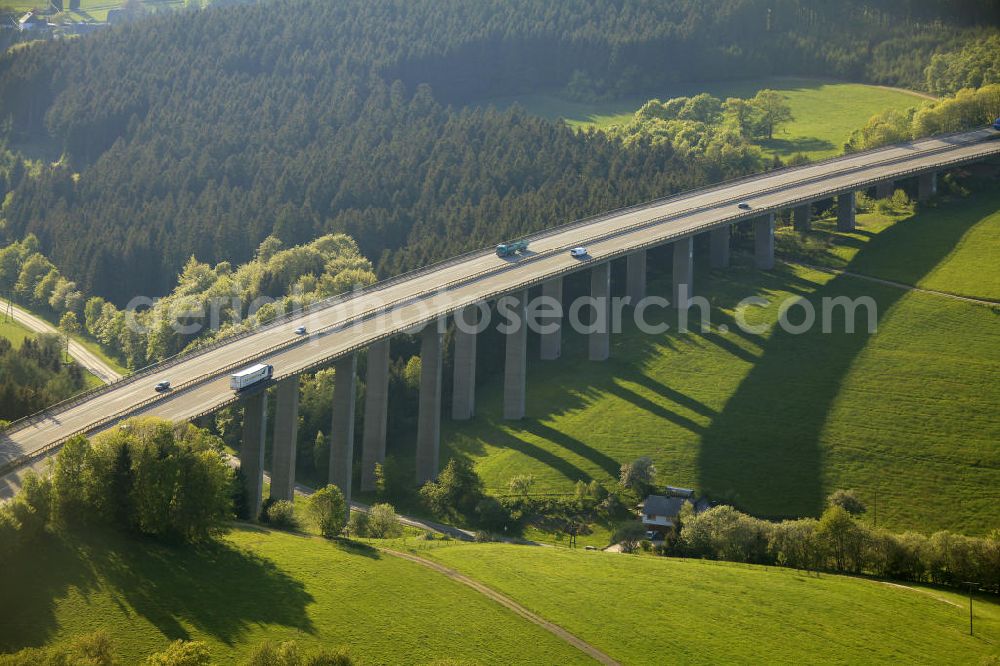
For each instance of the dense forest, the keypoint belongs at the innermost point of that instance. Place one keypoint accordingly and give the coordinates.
(201, 133)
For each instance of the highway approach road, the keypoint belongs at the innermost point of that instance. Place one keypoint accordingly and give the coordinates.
(88, 359)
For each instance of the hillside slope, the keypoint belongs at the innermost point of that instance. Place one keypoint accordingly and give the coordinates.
(256, 583)
(252, 585)
(774, 422)
(646, 610)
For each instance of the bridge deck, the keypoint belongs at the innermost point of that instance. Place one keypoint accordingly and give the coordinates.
(201, 382)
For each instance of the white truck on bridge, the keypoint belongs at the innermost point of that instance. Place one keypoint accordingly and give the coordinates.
(250, 376)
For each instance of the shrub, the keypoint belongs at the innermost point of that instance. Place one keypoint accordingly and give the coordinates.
(10, 533)
(289, 654)
(483, 536)
(69, 475)
(328, 510)
(843, 538)
(358, 524)
(492, 514)
(848, 500)
(521, 484)
(281, 515)
(383, 522)
(456, 493)
(181, 653)
(639, 475)
(629, 534)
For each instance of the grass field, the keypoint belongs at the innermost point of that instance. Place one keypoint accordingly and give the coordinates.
(776, 421)
(255, 585)
(17, 333)
(968, 270)
(90, 344)
(646, 610)
(13, 331)
(825, 112)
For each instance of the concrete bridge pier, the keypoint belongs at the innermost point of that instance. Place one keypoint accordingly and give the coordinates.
(599, 340)
(286, 429)
(252, 450)
(926, 186)
(342, 426)
(376, 412)
(846, 214)
(515, 370)
(635, 282)
(551, 343)
(463, 399)
(763, 235)
(885, 189)
(429, 414)
(802, 217)
(683, 271)
(719, 240)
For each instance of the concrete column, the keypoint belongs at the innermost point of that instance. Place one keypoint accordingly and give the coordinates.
(885, 189)
(463, 400)
(599, 341)
(376, 412)
(252, 451)
(515, 371)
(635, 287)
(763, 234)
(429, 416)
(286, 429)
(342, 426)
(552, 342)
(683, 270)
(720, 246)
(846, 212)
(802, 217)
(926, 186)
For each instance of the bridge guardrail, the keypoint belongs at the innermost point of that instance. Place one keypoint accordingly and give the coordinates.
(326, 303)
(334, 300)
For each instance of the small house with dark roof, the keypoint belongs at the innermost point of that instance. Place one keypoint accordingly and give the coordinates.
(660, 513)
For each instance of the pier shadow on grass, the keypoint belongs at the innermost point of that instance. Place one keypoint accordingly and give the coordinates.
(763, 451)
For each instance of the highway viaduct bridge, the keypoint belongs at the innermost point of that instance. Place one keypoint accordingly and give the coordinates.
(419, 301)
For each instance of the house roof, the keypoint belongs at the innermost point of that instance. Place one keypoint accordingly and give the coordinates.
(680, 492)
(31, 17)
(658, 505)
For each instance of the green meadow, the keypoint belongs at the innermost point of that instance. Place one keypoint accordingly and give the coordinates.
(825, 112)
(255, 584)
(774, 421)
(649, 610)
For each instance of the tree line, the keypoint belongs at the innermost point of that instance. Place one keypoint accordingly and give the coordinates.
(839, 542)
(967, 109)
(206, 303)
(145, 477)
(202, 137)
(707, 128)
